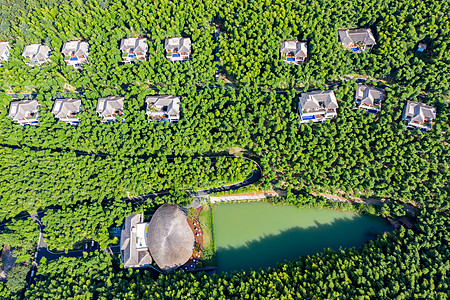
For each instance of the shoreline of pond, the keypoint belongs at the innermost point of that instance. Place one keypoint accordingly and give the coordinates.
(293, 231)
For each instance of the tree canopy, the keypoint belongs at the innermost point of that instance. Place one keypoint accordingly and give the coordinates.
(87, 175)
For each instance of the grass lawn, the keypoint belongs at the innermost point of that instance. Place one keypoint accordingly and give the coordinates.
(209, 249)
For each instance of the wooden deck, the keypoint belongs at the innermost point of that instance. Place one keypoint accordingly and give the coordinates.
(191, 264)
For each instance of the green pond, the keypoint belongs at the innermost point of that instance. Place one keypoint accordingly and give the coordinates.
(257, 235)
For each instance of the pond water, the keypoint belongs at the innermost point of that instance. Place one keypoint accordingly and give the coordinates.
(258, 235)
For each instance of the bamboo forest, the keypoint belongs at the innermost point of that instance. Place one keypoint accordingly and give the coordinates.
(236, 128)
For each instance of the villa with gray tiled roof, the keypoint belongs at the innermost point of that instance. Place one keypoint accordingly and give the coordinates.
(66, 109)
(133, 242)
(294, 52)
(163, 107)
(317, 106)
(24, 112)
(133, 49)
(357, 40)
(37, 54)
(177, 48)
(75, 53)
(418, 115)
(369, 98)
(108, 108)
(4, 52)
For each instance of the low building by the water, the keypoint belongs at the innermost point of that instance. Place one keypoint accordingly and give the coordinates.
(109, 108)
(163, 107)
(133, 242)
(24, 112)
(133, 49)
(36, 54)
(75, 53)
(177, 48)
(294, 52)
(357, 40)
(317, 106)
(170, 239)
(369, 98)
(5, 52)
(66, 109)
(418, 115)
(167, 239)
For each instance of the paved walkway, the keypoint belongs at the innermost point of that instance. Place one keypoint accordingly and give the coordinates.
(254, 196)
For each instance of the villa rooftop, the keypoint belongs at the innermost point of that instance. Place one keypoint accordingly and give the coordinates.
(133, 48)
(4, 51)
(134, 44)
(133, 242)
(77, 48)
(76, 53)
(369, 98)
(109, 107)
(357, 40)
(294, 51)
(65, 109)
(318, 99)
(363, 36)
(419, 115)
(163, 106)
(177, 48)
(37, 53)
(25, 112)
(317, 106)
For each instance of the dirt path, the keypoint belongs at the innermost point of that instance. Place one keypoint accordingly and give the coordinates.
(408, 208)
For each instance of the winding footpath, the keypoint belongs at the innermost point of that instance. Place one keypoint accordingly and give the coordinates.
(253, 178)
(91, 246)
(43, 251)
(199, 197)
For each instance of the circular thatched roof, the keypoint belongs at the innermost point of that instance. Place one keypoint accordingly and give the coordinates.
(170, 239)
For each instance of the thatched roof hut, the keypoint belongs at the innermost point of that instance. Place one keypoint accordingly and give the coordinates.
(170, 239)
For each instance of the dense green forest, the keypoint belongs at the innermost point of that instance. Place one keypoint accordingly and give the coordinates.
(74, 224)
(356, 154)
(22, 235)
(39, 179)
(103, 25)
(407, 264)
(394, 210)
(92, 221)
(255, 29)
